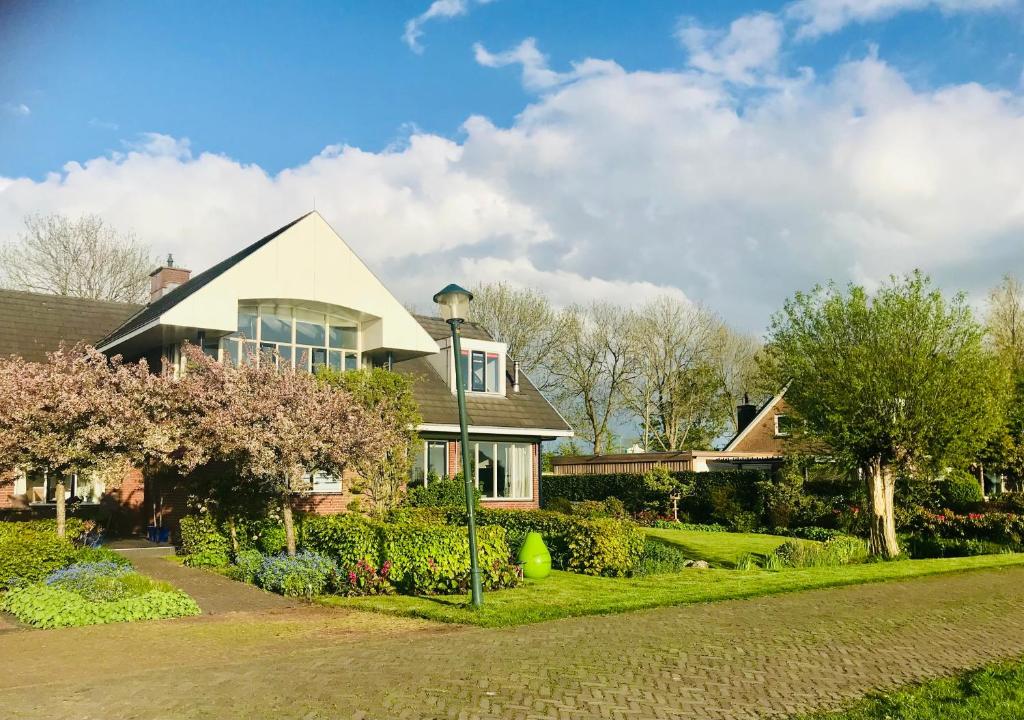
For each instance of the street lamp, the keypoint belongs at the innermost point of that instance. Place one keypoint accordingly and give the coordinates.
(453, 302)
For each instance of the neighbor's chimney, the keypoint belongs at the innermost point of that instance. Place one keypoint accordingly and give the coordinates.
(165, 278)
(515, 376)
(745, 413)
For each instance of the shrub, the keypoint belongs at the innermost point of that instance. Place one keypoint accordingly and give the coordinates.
(428, 558)
(100, 554)
(561, 505)
(598, 546)
(839, 550)
(305, 575)
(692, 527)
(960, 491)
(661, 557)
(609, 507)
(365, 579)
(441, 492)
(29, 555)
(92, 580)
(75, 529)
(247, 563)
(51, 606)
(346, 538)
(202, 543)
(814, 533)
(265, 535)
(923, 547)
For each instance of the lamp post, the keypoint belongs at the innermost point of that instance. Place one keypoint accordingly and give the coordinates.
(454, 304)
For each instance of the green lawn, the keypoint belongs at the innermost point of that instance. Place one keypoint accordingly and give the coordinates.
(992, 693)
(721, 549)
(566, 594)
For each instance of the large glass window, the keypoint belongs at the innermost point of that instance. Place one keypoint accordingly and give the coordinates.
(431, 460)
(292, 337)
(42, 488)
(504, 471)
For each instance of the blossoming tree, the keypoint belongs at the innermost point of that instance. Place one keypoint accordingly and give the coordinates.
(72, 415)
(276, 427)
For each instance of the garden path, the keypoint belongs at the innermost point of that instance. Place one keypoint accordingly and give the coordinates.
(763, 657)
(214, 593)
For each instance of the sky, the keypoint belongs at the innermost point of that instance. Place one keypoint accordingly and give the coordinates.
(728, 154)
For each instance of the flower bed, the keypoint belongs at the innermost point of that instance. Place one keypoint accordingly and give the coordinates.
(95, 593)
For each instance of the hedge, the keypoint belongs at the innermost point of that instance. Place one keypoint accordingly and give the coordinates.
(346, 538)
(29, 555)
(202, 542)
(591, 546)
(732, 498)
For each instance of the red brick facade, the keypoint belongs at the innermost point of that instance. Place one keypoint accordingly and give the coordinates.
(761, 437)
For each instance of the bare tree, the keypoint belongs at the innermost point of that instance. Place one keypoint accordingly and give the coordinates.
(741, 370)
(592, 368)
(677, 390)
(523, 319)
(1005, 320)
(81, 258)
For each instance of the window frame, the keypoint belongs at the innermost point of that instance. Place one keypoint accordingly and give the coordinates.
(424, 462)
(234, 345)
(779, 432)
(494, 444)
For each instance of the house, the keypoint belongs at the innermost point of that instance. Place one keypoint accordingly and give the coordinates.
(759, 444)
(299, 296)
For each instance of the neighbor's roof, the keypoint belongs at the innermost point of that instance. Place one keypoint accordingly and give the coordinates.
(526, 409)
(761, 413)
(33, 324)
(155, 309)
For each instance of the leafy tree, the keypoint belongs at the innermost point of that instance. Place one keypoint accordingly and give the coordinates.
(275, 427)
(72, 415)
(386, 397)
(1005, 327)
(897, 382)
(81, 258)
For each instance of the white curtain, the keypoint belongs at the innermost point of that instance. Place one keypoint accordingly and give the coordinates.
(520, 462)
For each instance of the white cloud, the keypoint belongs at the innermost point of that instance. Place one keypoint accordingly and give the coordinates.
(821, 17)
(18, 109)
(619, 185)
(444, 9)
(742, 54)
(536, 73)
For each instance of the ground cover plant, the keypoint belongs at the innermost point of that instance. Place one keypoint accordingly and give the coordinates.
(565, 594)
(94, 593)
(994, 692)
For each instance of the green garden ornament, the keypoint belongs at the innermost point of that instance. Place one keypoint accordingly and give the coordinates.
(534, 557)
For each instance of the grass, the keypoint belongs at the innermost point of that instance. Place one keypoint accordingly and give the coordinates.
(720, 549)
(568, 595)
(992, 693)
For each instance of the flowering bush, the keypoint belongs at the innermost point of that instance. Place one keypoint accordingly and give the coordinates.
(365, 579)
(305, 575)
(247, 564)
(92, 580)
(1002, 528)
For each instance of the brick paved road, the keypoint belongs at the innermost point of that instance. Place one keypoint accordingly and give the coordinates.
(765, 657)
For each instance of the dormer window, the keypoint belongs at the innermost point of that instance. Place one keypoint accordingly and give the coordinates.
(480, 371)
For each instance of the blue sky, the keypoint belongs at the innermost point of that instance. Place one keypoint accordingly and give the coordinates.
(273, 83)
(725, 153)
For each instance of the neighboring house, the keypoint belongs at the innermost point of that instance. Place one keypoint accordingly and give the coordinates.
(759, 444)
(301, 296)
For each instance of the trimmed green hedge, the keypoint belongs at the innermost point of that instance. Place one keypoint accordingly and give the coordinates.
(74, 528)
(425, 555)
(708, 489)
(591, 546)
(29, 555)
(346, 538)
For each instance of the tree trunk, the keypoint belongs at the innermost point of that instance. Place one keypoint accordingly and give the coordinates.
(289, 524)
(881, 509)
(61, 508)
(234, 536)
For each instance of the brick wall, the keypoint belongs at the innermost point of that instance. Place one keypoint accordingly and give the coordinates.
(761, 436)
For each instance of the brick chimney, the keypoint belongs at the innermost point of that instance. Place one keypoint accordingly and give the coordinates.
(165, 278)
